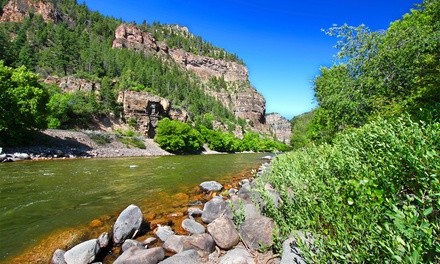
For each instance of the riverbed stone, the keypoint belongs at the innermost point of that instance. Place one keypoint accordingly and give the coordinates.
(257, 232)
(186, 257)
(103, 240)
(82, 253)
(163, 232)
(238, 256)
(128, 224)
(58, 257)
(192, 226)
(128, 243)
(223, 232)
(211, 186)
(291, 253)
(203, 243)
(149, 241)
(194, 211)
(135, 255)
(174, 244)
(213, 209)
(251, 211)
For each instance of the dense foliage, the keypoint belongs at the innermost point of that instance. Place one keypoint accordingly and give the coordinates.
(80, 44)
(371, 197)
(178, 137)
(22, 103)
(380, 73)
(300, 130)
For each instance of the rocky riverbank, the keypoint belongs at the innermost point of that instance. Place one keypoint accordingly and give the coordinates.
(228, 228)
(63, 144)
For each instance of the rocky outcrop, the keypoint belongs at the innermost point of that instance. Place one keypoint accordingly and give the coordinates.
(18, 10)
(73, 84)
(144, 110)
(280, 127)
(245, 103)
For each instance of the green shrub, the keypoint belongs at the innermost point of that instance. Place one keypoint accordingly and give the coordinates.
(135, 142)
(177, 137)
(99, 138)
(371, 197)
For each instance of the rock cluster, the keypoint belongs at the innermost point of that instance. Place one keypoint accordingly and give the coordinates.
(235, 232)
(73, 84)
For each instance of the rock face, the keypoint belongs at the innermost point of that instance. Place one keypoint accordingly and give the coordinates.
(245, 102)
(280, 127)
(146, 110)
(17, 10)
(73, 84)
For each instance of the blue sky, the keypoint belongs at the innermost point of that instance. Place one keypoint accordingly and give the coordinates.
(280, 41)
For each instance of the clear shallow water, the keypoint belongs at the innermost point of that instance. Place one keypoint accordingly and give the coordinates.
(37, 198)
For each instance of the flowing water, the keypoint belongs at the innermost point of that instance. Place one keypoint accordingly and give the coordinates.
(39, 198)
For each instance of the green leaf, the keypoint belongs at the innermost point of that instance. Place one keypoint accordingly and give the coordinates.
(427, 211)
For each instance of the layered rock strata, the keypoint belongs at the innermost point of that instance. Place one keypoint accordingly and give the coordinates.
(280, 127)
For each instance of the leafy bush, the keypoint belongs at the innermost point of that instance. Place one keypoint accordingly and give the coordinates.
(220, 141)
(177, 137)
(371, 197)
(99, 137)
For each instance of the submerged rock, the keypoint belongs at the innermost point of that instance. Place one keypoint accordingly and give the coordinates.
(128, 224)
(211, 186)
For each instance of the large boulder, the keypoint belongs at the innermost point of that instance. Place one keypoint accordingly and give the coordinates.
(213, 209)
(223, 232)
(201, 242)
(163, 232)
(83, 253)
(211, 186)
(238, 256)
(193, 227)
(135, 255)
(58, 257)
(185, 257)
(128, 224)
(257, 232)
(174, 244)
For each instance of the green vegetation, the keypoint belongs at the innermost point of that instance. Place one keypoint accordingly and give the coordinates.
(364, 180)
(178, 137)
(22, 103)
(130, 139)
(81, 45)
(99, 138)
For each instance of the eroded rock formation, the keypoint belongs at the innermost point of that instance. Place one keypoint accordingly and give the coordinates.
(18, 10)
(72, 84)
(144, 110)
(280, 127)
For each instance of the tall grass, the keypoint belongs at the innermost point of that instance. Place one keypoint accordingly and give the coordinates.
(370, 197)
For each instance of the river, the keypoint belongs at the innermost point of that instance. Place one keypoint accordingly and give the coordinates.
(40, 198)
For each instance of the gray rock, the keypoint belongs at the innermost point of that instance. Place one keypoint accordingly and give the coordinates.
(185, 257)
(238, 256)
(163, 232)
(2, 157)
(128, 224)
(200, 242)
(21, 156)
(103, 240)
(223, 232)
(128, 243)
(58, 257)
(213, 209)
(174, 244)
(193, 227)
(276, 198)
(83, 253)
(257, 232)
(232, 191)
(136, 255)
(250, 211)
(194, 211)
(291, 253)
(149, 241)
(211, 186)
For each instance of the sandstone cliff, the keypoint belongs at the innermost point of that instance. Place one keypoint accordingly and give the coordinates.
(280, 127)
(245, 103)
(18, 10)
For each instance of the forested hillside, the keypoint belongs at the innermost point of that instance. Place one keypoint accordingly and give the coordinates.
(64, 39)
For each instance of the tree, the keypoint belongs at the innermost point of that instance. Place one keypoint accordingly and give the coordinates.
(22, 103)
(177, 137)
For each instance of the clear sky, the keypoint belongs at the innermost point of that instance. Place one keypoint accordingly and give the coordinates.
(280, 41)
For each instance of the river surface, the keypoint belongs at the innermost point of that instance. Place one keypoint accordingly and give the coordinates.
(39, 198)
